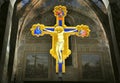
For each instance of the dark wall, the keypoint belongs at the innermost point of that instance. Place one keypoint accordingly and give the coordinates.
(115, 8)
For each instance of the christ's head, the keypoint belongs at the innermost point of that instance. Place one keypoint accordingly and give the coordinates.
(59, 29)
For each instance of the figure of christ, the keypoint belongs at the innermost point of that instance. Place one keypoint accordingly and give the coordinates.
(60, 41)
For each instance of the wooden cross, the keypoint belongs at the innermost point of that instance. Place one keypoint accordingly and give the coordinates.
(60, 36)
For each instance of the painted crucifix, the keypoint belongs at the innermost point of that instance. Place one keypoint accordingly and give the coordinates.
(60, 36)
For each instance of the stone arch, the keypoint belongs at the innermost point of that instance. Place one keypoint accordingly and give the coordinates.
(82, 14)
(14, 45)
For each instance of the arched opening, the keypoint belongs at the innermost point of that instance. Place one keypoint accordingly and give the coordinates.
(27, 48)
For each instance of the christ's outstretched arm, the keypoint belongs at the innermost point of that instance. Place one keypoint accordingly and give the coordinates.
(49, 30)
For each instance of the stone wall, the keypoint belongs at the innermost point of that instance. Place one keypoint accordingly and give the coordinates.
(3, 18)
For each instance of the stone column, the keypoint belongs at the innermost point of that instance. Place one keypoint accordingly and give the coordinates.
(6, 45)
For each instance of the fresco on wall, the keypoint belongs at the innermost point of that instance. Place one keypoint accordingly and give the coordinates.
(36, 66)
(91, 66)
